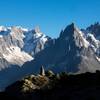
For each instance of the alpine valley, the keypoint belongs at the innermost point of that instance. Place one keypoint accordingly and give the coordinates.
(24, 51)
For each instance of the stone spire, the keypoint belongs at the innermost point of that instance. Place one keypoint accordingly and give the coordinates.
(42, 71)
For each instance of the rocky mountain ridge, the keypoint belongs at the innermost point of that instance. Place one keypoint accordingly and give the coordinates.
(24, 51)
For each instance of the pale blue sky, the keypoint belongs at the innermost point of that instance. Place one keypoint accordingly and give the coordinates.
(50, 15)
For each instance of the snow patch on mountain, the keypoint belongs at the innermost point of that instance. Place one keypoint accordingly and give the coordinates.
(79, 38)
(2, 28)
(93, 40)
(16, 57)
(34, 42)
(94, 44)
(98, 58)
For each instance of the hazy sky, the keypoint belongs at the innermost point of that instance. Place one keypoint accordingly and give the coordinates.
(50, 15)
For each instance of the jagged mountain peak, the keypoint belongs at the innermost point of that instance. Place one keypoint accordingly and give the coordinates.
(95, 25)
(94, 29)
(25, 42)
(70, 30)
(73, 33)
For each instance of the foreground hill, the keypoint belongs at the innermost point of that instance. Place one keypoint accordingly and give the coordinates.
(50, 86)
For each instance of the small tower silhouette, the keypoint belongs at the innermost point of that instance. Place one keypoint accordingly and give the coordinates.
(42, 71)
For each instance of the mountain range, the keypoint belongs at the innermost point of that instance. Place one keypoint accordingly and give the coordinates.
(24, 51)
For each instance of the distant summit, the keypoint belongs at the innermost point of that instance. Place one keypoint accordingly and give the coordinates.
(94, 29)
(72, 33)
(69, 30)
